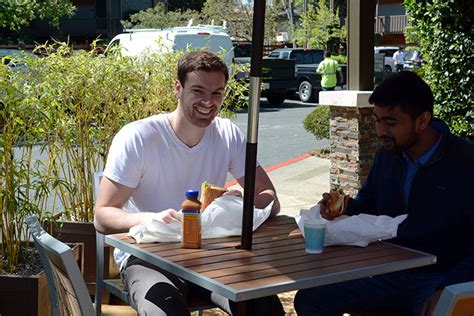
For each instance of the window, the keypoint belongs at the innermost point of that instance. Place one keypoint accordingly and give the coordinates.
(274, 54)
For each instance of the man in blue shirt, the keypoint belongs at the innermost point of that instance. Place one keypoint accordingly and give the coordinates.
(426, 172)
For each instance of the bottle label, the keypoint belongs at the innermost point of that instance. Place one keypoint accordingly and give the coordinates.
(192, 227)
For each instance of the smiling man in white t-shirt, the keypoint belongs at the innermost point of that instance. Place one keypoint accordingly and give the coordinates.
(152, 162)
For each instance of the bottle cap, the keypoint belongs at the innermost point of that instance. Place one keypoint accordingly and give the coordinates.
(192, 193)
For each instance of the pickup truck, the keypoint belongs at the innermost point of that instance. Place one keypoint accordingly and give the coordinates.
(308, 82)
(278, 75)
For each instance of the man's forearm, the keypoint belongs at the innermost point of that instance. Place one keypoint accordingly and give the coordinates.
(110, 220)
(266, 197)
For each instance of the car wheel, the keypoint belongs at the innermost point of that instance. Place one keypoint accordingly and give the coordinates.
(276, 98)
(305, 91)
(387, 68)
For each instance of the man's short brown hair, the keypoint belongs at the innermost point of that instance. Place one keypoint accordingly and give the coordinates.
(200, 61)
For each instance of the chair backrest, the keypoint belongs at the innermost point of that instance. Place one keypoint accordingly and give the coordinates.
(456, 300)
(99, 238)
(68, 291)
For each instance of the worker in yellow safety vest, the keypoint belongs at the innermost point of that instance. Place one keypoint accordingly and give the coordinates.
(328, 69)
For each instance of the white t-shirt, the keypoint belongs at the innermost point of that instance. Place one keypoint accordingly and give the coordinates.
(398, 58)
(148, 156)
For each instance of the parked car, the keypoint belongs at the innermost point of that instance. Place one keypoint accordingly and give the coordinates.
(215, 38)
(388, 51)
(278, 75)
(413, 59)
(308, 82)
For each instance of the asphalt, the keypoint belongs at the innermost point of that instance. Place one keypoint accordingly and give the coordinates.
(299, 182)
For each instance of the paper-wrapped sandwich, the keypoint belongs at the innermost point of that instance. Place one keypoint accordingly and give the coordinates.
(209, 193)
(338, 203)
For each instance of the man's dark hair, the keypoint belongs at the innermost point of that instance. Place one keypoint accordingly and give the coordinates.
(400, 47)
(200, 61)
(327, 54)
(405, 90)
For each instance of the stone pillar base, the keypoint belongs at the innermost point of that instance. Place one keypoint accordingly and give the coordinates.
(353, 138)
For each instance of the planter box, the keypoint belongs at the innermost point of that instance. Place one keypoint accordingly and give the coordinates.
(84, 233)
(24, 295)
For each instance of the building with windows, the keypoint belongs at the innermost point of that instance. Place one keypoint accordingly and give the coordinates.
(92, 19)
(390, 22)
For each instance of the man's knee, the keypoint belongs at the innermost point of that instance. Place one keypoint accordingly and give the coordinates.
(304, 302)
(168, 298)
(317, 301)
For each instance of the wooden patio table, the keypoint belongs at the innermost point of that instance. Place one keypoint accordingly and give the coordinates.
(277, 262)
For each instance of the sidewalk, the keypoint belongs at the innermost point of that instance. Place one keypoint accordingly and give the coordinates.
(299, 182)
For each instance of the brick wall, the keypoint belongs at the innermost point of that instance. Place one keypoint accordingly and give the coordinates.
(353, 145)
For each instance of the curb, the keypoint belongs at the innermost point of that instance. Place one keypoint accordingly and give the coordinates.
(271, 168)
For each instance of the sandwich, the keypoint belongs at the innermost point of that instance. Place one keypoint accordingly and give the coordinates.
(209, 193)
(338, 203)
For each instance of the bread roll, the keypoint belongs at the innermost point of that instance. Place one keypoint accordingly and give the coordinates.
(339, 202)
(209, 193)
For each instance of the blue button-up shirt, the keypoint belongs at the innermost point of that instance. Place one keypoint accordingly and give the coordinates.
(413, 166)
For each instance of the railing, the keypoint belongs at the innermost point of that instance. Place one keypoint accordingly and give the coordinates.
(394, 24)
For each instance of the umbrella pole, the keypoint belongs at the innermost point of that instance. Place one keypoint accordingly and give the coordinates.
(252, 127)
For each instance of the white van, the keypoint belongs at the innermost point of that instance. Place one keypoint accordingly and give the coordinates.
(388, 52)
(214, 38)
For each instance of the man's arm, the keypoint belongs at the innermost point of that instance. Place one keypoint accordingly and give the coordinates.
(264, 191)
(320, 68)
(109, 215)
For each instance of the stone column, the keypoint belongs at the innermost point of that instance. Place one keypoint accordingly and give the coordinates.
(352, 136)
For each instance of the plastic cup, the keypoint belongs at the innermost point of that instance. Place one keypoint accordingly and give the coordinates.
(314, 232)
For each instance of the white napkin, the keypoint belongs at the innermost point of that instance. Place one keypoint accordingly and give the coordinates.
(358, 230)
(222, 218)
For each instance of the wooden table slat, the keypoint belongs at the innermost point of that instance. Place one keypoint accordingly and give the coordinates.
(270, 266)
(289, 255)
(309, 272)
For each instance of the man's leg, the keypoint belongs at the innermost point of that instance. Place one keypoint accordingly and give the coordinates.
(327, 88)
(153, 291)
(269, 305)
(399, 291)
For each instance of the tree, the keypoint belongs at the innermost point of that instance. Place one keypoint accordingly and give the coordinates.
(239, 18)
(157, 17)
(444, 30)
(16, 14)
(319, 27)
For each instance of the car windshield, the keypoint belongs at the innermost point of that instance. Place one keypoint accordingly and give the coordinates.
(307, 56)
(411, 55)
(243, 50)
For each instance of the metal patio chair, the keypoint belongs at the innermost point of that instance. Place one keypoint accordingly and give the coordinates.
(66, 285)
(456, 300)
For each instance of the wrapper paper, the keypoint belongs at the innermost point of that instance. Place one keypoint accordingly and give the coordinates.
(358, 230)
(222, 218)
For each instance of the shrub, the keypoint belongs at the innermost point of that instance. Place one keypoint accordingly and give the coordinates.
(341, 59)
(317, 122)
(445, 35)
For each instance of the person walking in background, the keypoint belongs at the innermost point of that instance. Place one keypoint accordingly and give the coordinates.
(328, 69)
(399, 59)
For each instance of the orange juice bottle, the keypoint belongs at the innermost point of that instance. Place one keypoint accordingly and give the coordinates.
(191, 224)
